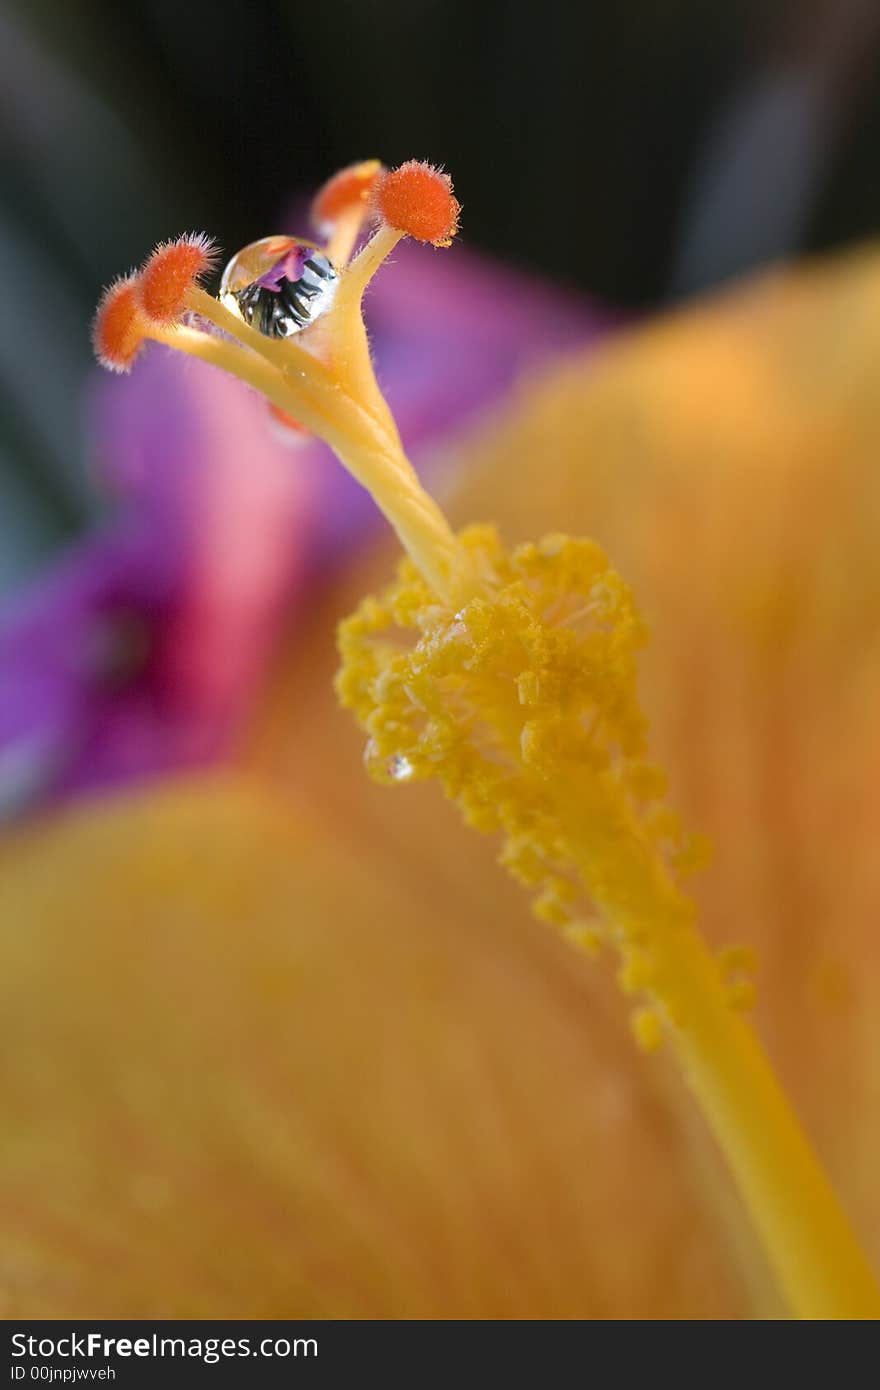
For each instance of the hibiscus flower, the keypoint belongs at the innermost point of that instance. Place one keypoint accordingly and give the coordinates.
(304, 1052)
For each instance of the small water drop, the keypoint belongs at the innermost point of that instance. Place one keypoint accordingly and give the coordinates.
(400, 768)
(279, 285)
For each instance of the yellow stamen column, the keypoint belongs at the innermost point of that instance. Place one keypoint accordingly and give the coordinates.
(794, 1211)
(806, 1236)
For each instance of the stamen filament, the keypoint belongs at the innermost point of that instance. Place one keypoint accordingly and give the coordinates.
(280, 351)
(349, 348)
(419, 523)
(376, 461)
(794, 1210)
(349, 345)
(365, 264)
(796, 1214)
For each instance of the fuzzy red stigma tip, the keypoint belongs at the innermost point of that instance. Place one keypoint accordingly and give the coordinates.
(350, 189)
(118, 326)
(418, 199)
(172, 269)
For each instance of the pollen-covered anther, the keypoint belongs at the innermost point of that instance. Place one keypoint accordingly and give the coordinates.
(418, 199)
(348, 192)
(173, 269)
(119, 328)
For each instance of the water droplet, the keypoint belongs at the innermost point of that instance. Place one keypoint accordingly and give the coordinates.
(400, 768)
(279, 285)
(397, 768)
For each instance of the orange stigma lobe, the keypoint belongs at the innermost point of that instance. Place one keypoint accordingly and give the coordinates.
(418, 199)
(172, 270)
(118, 327)
(349, 190)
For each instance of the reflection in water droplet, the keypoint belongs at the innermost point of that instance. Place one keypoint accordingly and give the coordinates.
(400, 768)
(395, 769)
(279, 285)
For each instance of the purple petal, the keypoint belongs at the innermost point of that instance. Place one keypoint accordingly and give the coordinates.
(289, 267)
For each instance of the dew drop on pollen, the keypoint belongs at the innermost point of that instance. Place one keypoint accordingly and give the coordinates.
(400, 768)
(397, 768)
(279, 285)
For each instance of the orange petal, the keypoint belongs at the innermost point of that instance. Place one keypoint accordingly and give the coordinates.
(726, 457)
(249, 1072)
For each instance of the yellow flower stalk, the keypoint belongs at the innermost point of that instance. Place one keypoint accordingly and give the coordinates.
(512, 678)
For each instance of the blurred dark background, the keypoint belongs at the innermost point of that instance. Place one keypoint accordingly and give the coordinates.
(638, 151)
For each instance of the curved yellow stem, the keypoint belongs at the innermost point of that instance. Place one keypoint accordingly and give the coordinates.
(349, 345)
(795, 1212)
(793, 1208)
(374, 459)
